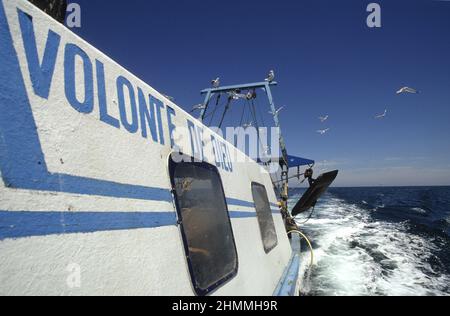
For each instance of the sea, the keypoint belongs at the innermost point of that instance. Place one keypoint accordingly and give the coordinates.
(377, 241)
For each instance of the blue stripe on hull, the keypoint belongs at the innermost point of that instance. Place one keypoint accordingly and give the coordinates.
(237, 202)
(20, 224)
(243, 203)
(27, 224)
(239, 214)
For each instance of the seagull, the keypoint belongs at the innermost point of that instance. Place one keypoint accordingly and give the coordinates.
(271, 76)
(216, 82)
(277, 111)
(407, 90)
(198, 107)
(169, 97)
(381, 116)
(323, 118)
(323, 131)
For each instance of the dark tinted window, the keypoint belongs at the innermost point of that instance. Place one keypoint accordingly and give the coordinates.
(205, 224)
(265, 218)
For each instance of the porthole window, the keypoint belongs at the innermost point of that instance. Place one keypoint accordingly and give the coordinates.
(265, 218)
(205, 224)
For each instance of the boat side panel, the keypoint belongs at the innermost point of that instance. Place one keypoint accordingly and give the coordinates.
(84, 182)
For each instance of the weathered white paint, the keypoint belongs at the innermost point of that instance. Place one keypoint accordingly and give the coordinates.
(148, 261)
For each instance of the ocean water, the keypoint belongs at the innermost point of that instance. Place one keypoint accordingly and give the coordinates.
(378, 241)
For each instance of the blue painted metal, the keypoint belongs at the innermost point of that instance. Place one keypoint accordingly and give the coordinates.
(277, 121)
(71, 52)
(288, 282)
(20, 224)
(244, 203)
(28, 224)
(41, 74)
(284, 164)
(241, 214)
(237, 202)
(298, 161)
(208, 97)
(245, 86)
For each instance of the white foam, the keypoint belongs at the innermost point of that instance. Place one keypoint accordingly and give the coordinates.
(419, 210)
(356, 256)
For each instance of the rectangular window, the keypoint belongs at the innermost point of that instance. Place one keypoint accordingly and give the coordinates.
(265, 218)
(205, 224)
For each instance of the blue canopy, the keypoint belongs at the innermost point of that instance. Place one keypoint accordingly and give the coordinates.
(294, 161)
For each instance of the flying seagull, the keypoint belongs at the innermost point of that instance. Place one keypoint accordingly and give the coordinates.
(381, 116)
(323, 118)
(323, 131)
(271, 76)
(198, 107)
(277, 111)
(407, 90)
(216, 82)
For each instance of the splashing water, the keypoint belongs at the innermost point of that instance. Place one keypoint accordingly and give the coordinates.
(379, 241)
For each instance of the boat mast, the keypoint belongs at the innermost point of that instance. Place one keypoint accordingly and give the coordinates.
(210, 93)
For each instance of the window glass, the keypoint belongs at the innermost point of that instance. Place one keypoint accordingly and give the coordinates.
(265, 218)
(205, 224)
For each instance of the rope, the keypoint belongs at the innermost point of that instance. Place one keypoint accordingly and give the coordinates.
(243, 114)
(307, 220)
(227, 107)
(255, 117)
(215, 109)
(253, 109)
(308, 242)
(260, 113)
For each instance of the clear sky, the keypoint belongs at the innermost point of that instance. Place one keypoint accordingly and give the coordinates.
(327, 62)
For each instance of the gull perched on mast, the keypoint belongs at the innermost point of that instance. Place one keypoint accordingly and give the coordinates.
(407, 90)
(216, 82)
(271, 76)
(323, 118)
(381, 116)
(323, 131)
(169, 97)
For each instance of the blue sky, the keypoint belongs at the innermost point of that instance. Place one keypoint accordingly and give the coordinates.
(327, 62)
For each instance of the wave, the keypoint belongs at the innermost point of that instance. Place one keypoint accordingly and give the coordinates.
(357, 252)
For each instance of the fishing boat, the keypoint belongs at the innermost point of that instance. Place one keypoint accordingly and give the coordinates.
(108, 187)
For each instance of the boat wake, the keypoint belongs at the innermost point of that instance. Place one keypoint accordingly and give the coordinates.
(360, 251)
